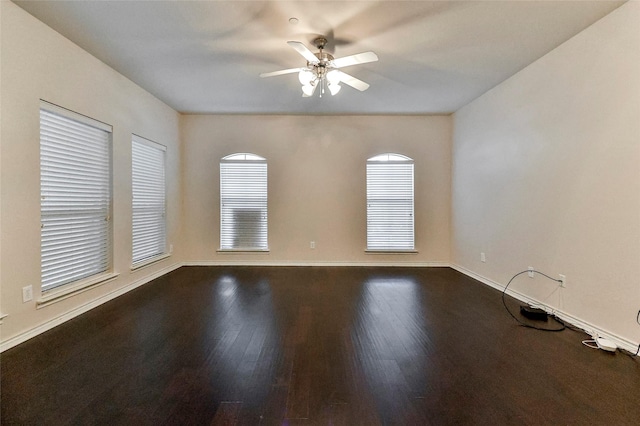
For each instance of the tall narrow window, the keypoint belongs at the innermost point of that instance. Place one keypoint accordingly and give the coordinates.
(75, 196)
(243, 202)
(149, 230)
(390, 203)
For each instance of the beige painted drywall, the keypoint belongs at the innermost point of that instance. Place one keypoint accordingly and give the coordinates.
(546, 173)
(316, 172)
(38, 63)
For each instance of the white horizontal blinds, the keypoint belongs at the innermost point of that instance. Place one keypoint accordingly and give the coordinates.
(243, 202)
(75, 196)
(149, 199)
(390, 203)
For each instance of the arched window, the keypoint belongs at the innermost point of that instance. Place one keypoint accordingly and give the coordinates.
(243, 202)
(390, 203)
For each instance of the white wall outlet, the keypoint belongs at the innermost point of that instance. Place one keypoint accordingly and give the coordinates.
(483, 258)
(312, 244)
(530, 269)
(27, 294)
(563, 280)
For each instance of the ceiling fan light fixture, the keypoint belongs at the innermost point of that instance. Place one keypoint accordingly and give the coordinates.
(334, 88)
(306, 77)
(308, 89)
(333, 77)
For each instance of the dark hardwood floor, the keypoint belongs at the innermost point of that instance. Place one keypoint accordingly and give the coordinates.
(312, 346)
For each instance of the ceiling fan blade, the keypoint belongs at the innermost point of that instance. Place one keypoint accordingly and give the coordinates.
(304, 51)
(360, 58)
(351, 81)
(281, 72)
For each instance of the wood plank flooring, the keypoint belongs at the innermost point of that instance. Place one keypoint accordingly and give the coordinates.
(312, 346)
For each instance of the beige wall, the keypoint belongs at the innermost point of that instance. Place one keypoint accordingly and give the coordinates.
(317, 185)
(38, 63)
(547, 174)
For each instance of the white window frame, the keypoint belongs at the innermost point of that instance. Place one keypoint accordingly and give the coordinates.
(390, 204)
(243, 190)
(75, 201)
(148, 202)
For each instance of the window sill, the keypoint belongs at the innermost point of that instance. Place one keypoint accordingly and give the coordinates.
(390, 251)
(2, 317)
(69, 290)
(149, 261)
(240, 251)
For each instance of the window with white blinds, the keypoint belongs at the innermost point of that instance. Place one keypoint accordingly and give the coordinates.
(149, 230)
(243, 202)
(390, 203)
(75, 196)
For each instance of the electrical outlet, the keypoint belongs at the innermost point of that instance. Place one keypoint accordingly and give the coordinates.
(312, 244)
(170, 248)
(530, 269)
(563, 280)
(483, 258)
(27, 294)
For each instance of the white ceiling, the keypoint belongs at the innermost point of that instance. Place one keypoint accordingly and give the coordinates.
(205, 56)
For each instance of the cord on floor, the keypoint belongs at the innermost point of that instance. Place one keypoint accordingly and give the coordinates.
(518, 320)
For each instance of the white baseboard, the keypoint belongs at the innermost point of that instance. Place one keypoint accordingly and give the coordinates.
(588, 328)
(33, 332)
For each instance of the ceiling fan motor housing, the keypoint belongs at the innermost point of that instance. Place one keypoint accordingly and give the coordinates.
(324, 61)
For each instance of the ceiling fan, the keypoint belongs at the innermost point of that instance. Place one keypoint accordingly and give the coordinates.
(322, 69)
